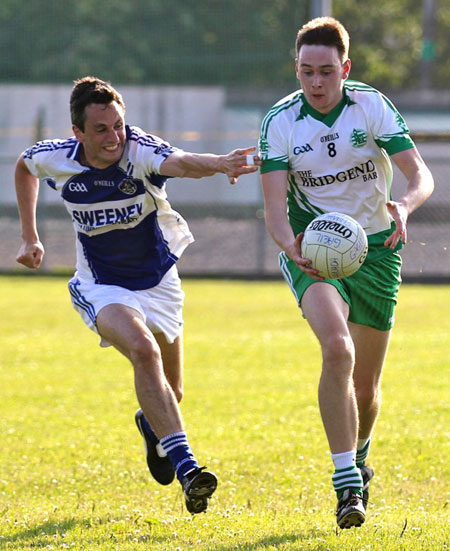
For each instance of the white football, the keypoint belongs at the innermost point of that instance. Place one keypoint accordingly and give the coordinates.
(336, 244)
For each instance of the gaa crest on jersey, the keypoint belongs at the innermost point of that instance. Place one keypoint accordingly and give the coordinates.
(298, 150)
(358, 137)
(79, 187)
(127, 186)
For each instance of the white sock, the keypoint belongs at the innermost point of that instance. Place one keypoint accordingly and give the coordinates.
(347, 474)
(344, 460)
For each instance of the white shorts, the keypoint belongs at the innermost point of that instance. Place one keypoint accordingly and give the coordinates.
(161, 307)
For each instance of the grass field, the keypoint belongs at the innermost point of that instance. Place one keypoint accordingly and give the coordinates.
(73, 474)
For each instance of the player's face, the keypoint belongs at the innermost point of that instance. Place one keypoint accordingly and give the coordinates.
(322, 75)
(104, 136)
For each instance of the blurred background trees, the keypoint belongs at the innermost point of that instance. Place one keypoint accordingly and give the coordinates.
(213, 42)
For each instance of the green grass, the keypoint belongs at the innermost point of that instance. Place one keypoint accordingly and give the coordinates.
(73, 474)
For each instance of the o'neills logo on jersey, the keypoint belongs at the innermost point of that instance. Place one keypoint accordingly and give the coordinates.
(328, 225)
(104, 183)
(366, 171)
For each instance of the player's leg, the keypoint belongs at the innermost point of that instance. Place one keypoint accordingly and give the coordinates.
(371, 347)
(125, 329)
(374, 291)
(158, 461)
(162, 308)
(172, 358)
(326, 312)
(198, 488)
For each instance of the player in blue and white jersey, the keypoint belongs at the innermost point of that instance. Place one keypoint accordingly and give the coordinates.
(111, 178)
(324, 148)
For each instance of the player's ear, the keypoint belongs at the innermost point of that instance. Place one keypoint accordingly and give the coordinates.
(347, 65)
(77, 133)
(297, 70)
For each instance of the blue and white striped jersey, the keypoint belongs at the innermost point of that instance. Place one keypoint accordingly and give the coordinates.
(127, 233)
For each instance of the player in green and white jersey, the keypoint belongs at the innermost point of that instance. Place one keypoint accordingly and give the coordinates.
(327, 147)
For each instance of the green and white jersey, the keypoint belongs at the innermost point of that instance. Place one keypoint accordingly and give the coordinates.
(339, 161)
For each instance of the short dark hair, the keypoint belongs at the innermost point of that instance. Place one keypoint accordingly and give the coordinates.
(324, 31)
(89, 90)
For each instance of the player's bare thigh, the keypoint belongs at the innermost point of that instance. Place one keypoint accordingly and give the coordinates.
(123, 327)
(326, 312)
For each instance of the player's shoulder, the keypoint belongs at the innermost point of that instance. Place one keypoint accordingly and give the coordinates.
(286, 109)
(357, 88)
(143, 147)
(365, 94)
(289, 101)
(143, 140)
(52, 149)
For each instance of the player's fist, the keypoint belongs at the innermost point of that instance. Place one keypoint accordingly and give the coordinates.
(31, 254)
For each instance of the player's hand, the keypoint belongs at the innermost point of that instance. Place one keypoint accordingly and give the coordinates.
(400, 215)
(294, 253)
(31, 254)
(239, 162)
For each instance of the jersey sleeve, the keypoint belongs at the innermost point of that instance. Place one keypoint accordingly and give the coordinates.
(273, 147)
(47, 158)
(390, 130)
(149, 151)
(38, 157)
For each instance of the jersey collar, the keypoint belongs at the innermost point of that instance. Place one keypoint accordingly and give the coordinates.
(329, 118)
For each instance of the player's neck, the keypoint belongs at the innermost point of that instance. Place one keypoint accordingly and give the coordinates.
(92, 163)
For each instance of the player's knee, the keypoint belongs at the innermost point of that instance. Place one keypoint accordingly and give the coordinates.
(145, 354)
(338, 353)
(368, 395)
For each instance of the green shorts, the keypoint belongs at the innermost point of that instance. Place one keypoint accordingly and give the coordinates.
(371, 292)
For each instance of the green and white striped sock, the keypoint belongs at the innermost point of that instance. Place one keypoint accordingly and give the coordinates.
(362, 451)
(346, 474)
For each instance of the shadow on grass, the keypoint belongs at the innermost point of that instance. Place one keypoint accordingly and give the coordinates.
(41, 535)
(41, 531)
(273, 541)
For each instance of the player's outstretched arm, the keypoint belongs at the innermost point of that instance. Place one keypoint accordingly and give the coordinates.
(31, 251)
(183, 164)
(420, 187)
